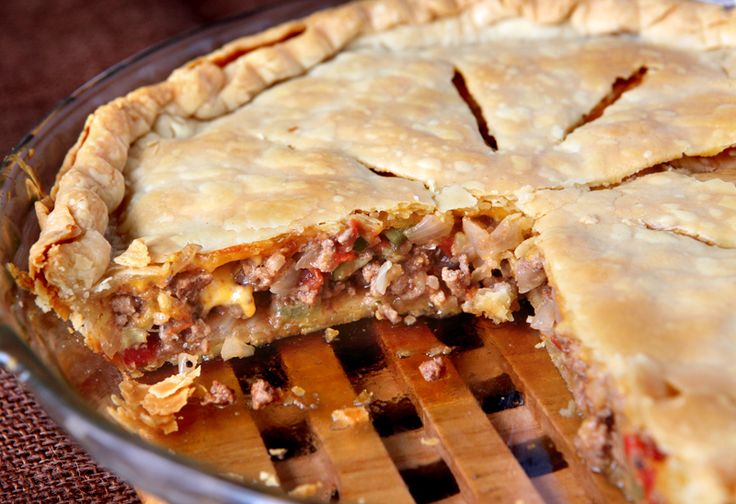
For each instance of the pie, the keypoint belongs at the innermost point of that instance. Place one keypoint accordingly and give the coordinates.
(406, 158)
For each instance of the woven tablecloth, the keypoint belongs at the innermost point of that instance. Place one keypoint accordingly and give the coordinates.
(41, 464)
(47, 49)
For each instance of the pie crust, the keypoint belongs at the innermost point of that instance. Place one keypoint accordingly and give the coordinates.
(539, 119)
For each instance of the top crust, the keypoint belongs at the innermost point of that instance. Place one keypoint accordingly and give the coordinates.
(90, 184)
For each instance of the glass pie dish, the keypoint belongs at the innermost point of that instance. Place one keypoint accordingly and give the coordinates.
(65, 377)
(340, 446)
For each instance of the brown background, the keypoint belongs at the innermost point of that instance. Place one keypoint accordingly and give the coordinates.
(48, 49)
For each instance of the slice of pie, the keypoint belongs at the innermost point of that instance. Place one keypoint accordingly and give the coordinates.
(406, 158)
(638, 316)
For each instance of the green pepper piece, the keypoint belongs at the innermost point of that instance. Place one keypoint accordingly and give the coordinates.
(360, 244)
(395, 236)
(343, 271)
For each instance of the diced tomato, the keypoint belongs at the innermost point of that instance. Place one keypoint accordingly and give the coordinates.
(140, 355)
(446, 245)
(312, 278)
(342, 256)
(642, 453)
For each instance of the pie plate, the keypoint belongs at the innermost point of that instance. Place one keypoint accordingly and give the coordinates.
(452, 410)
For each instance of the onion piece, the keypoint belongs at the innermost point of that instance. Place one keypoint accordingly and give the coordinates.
(529, 274)
(285, 283)
(478, 237)
(430, 229)
(507, 235)
(309, 257)
(380, 282)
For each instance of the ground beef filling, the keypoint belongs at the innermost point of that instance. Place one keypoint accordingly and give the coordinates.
(451, 264)
(388, 267)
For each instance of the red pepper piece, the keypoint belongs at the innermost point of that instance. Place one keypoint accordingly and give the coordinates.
(446, 245)
(556, 343)
(140, 355)
(641, 453)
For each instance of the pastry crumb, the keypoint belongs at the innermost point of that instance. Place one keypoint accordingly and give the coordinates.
(364, 398)
(298, 391)
(147, 409)
(268, 479)
(430, 441)
(135, 256)
(331, 334)
(432, 369)
(402, 353)
(306, 490)
(438, 350)
(568, 411)
(279, 453)
(539, 345)
(349, 417)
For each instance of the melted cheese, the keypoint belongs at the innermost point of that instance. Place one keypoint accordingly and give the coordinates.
(223, 291)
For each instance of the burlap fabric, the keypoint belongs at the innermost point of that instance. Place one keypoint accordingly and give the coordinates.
(48, 49)
(39, 463)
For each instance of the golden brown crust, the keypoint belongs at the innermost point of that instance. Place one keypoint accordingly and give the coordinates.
(226, 79)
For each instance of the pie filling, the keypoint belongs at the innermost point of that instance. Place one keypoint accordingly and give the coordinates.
(434, 265)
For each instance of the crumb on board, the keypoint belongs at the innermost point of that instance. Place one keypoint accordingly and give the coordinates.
(346, 418)
(268, 479)
(432, 369)
(429, 441)
(569, 411)
(364, 398)
(331, 334)
(438, 350)
(219, 394)
(278, 453)
(261, 394)
(539, 345)
(298, 391)
(403, 353)
(306, 490)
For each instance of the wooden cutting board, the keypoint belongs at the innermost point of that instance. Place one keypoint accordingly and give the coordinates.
(494, 427)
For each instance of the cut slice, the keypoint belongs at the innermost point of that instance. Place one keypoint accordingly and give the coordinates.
(388, 267)
(643, 278)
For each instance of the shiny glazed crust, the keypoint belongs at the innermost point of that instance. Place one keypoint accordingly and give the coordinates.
(311, 146)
